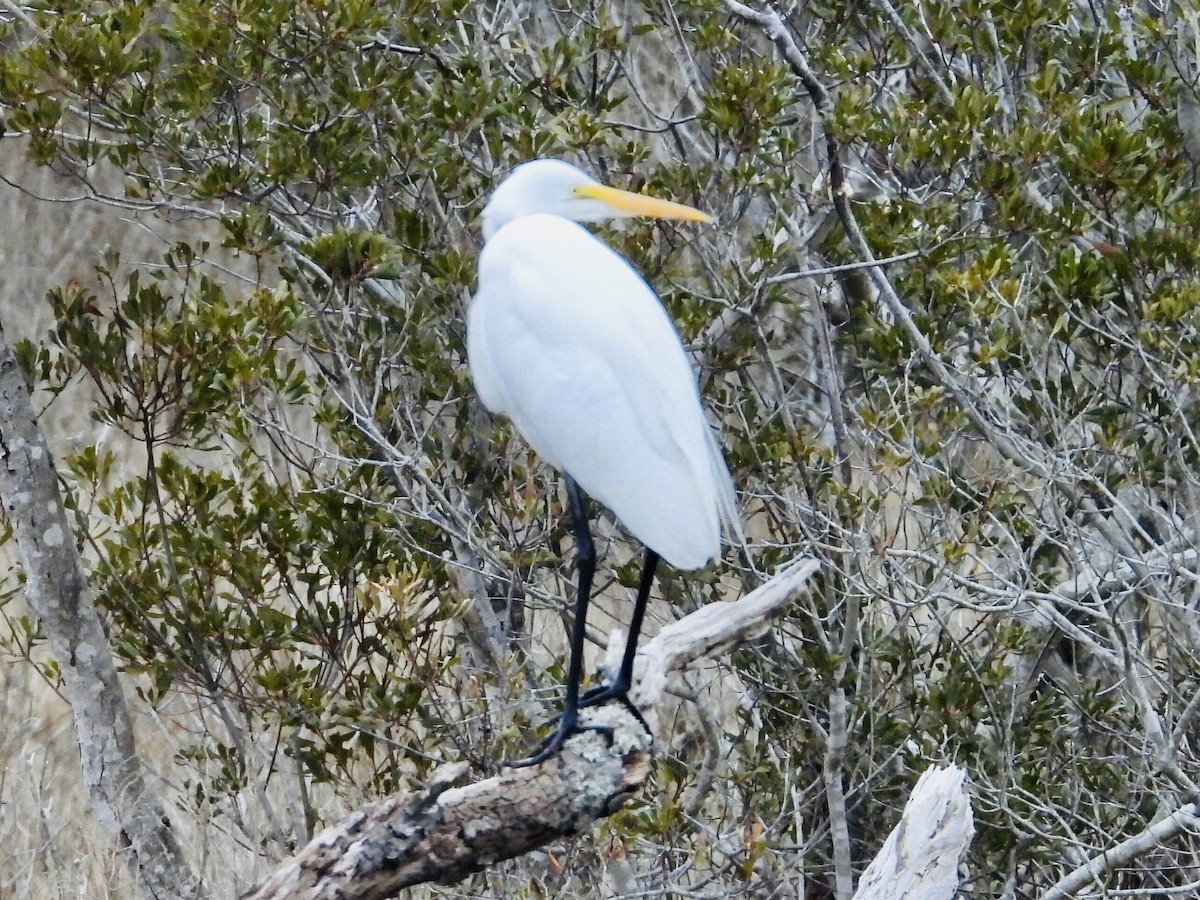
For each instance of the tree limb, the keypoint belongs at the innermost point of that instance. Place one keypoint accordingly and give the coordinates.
(1185, 818)
(1019, 451)
(443, 833)
(57, 591)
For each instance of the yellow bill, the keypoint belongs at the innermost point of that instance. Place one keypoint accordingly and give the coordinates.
(631, 204)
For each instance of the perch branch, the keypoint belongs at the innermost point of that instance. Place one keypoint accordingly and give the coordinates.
(446, 831)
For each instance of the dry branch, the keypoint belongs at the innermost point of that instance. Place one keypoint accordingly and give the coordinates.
(57, 591)
(443, 833)
(1186, 818)
(920, 857)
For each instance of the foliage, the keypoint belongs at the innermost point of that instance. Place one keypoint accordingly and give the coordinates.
(286, 535)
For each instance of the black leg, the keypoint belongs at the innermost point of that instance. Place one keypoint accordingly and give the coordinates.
(625, 676)
(585, 563)
(619, 689)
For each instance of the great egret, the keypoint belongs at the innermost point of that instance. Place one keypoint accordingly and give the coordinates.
(566, 339)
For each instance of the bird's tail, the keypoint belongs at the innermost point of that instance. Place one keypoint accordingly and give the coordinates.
(727, 507)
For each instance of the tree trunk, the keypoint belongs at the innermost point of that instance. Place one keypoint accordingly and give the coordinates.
(57, 592)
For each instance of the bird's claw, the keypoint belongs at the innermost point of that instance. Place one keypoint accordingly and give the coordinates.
(592, 697)
(604, 692)
(552, 745)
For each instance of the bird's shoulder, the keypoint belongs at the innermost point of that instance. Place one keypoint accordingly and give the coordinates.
(549, 244)
(545, 266)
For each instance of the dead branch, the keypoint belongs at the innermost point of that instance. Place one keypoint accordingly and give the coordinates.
(58, 592)
(443, 833)
(1186, 818)
(920, 857)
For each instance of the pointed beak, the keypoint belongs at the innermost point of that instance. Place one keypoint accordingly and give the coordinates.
(627, 203)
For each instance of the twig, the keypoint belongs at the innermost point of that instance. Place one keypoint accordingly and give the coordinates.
(20, 13)
(785, 277)
(914, 47)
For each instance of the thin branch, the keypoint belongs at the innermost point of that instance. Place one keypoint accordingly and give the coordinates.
(785, 42)
(20, 13)
(786, 277)
(1186, 818)
(914, 47)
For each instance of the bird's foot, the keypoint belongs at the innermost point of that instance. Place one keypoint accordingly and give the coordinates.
(551, 745)
(602, 693)
(593, 697)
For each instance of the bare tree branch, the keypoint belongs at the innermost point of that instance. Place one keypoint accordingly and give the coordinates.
(1016, 450)
(914, 47)
(1186, 818)
(57, 591)
(443, 833)
(786, 277)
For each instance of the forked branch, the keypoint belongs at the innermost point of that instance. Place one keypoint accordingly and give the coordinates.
(445, 832)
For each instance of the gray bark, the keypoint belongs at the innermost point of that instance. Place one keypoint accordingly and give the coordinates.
(1092, 872)
(58, 593)
(444, 833)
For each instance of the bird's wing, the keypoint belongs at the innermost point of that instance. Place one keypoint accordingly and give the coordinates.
(566, 339)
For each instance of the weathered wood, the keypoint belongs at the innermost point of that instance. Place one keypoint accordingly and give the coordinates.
(920, 857)
(444, 833)
(57, 591)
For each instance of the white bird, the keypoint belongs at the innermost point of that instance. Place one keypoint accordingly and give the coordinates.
(568, 341)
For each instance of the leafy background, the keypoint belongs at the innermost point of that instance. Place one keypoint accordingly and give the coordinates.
(241, 242)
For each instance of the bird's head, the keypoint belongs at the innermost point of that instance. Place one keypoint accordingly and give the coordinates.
(560, 189)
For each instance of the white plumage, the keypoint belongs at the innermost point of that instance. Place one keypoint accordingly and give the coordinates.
(566, 339)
